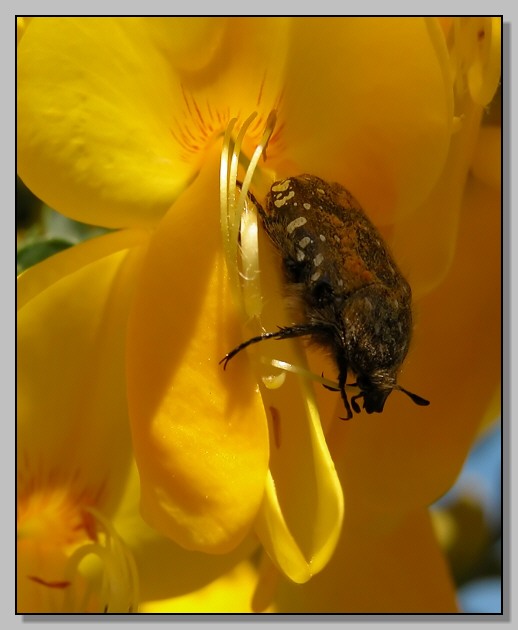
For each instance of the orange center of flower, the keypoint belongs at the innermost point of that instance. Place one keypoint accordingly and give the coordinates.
(54, 518)
(69, 557)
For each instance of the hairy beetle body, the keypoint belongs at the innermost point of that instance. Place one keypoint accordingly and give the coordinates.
(347, 293)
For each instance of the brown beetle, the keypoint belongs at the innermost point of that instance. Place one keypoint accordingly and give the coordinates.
(350, 298)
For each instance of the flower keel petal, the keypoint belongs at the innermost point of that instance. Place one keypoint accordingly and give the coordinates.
(200, 434)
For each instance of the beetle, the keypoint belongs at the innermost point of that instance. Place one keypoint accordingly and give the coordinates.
(348, 295)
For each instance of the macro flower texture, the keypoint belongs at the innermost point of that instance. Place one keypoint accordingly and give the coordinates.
(150, 479)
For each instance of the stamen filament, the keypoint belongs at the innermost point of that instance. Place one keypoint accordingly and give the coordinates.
(259, 150)
(230, 211)
(236, 209)
(238, 216)
(296, 369)
(225, 207)
(118, 590)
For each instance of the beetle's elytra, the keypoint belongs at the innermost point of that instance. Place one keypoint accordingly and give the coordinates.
(349, 295)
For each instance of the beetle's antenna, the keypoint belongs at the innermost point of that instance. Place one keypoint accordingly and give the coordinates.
(422, 402)
(287, 332)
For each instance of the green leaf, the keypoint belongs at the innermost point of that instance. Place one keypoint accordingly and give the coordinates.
(35, 252)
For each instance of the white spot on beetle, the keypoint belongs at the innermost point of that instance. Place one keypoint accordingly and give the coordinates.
(296, 223)
(318, 260)
(300, 255)
(281, 186)
(280, 202)
(307, 206)
(304, 242)
(316, 275)
(322, 238)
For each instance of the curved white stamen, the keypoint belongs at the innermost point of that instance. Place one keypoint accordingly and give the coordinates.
(224, 176)
(238, 207)
(259, 150)
(238, 217)
(230, 211)
(112, 581)
(295, 369)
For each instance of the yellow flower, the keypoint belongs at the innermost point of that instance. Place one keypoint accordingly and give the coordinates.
(120, 124)
(82, 545)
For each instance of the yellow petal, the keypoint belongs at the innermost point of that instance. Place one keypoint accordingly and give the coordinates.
(200, 434)
(114, 115)
(71, 381)
(244, 73)
(74, 445)
(49, 595)
(479, 42)
(368, 103)
(231, 593)
(186, 571)
(397, 569)
(425, 241)
(39, 278)
(96, 105)
(471, 50)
